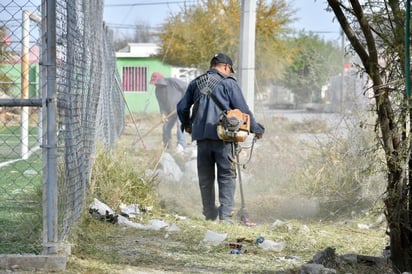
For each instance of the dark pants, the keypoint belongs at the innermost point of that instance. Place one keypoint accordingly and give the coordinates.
(212, 154)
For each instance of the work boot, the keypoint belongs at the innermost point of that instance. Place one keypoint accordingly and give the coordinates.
(210, 215)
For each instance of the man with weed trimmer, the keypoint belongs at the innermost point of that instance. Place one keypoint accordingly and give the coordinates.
(220, 118)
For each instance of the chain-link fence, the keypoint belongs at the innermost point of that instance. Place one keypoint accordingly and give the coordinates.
(59, 98)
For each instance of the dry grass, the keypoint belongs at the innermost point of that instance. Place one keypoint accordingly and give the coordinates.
(107, 248)
(273, 189)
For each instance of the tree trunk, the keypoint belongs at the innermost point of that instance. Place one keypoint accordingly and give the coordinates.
(394, 136)
(396, 200)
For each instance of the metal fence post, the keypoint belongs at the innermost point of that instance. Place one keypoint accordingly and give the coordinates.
(50, 201)
(25, 85)
(80, 106)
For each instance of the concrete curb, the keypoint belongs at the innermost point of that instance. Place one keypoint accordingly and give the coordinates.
(33, 262)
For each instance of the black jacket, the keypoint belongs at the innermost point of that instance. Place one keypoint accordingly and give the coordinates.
(227, 92)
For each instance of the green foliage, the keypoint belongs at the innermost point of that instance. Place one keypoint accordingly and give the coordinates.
(314, 61)
(192, 36)
(302, 64)
(195, 34)
(273, 52)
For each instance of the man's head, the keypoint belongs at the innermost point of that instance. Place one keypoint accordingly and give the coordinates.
(222, 60)
(156, 76)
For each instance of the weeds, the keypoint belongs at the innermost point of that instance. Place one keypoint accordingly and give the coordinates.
(284, 184)
(116, 179)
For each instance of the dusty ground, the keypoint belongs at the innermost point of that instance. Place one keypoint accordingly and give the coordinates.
(271, 196)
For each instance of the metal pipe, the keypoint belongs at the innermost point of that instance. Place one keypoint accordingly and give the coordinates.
(51, 210)
(25, 66)
(34, 102)
(247, 51)
(43, 87)
(25, 85)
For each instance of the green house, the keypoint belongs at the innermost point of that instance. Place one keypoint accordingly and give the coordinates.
(136, 64)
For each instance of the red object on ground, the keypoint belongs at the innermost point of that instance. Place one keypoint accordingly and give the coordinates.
(246, 222)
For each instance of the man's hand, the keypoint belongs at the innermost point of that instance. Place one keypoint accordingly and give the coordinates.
(258, 135)
(187, 129)
(164, 118)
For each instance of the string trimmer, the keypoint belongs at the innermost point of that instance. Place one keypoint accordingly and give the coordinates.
(242, 213)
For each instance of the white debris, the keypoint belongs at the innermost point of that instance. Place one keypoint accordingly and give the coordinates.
(156, 224)
(363, 226)
(277, 223)
(124, 221)
(101, 208)
(170, 169)
(130, 210)
(173, 228)
(178, 217)
(272, 245)
(214, 238)
(30, 172)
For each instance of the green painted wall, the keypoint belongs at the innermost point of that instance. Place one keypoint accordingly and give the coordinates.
(13, 74)
(138, 102)
(143, 101)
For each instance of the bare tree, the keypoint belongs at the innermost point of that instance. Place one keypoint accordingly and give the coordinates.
(143, 34)
(375, 30)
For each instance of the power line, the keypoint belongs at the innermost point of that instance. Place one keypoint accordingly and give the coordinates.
(130, 26)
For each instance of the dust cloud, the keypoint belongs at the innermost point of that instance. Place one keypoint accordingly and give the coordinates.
(279, 181)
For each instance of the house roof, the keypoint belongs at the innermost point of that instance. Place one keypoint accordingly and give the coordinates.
(139, 50)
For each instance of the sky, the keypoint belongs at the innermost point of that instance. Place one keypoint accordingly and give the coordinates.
(121, 15)
(312, 17)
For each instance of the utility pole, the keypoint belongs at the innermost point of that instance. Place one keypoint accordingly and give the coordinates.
(342, 79)
(247, 51)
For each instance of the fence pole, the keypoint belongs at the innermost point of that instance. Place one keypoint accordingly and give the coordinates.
(51, 203)
(25, 85)
(25, 67)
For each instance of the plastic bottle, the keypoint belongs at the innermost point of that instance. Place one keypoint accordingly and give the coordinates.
(271, 245)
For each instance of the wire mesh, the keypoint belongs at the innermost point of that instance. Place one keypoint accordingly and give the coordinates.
(20, 130)
(90, 110)
(91, 105)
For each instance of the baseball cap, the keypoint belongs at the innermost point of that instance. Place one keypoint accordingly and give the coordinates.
(221, 58)
(156, 76)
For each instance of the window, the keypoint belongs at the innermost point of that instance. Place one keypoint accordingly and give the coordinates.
(134, 79)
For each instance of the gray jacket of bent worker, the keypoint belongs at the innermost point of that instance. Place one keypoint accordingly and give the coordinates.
(228, 93)
(168, 93)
